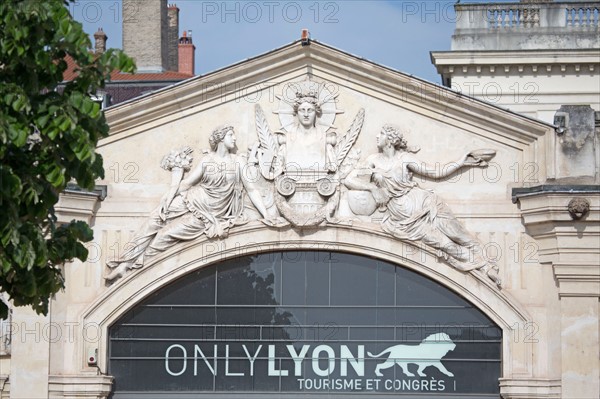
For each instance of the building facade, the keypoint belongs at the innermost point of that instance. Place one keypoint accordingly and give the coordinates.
(540, 59)
(309, 224)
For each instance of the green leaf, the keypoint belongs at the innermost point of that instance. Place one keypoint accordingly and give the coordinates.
(17, 135)
(64, 124)
(76, 99)
(55, 175)
(42, 121)
(10, 184)
(9, 235)
(24, 255)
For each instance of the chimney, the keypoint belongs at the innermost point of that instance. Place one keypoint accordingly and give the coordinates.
(100, 41)
(173, 37)
(145, 29)
(305, 37)
(186, 53)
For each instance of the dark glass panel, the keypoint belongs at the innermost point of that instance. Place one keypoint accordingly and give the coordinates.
(255, 304)
(353, 281)
(317, 283)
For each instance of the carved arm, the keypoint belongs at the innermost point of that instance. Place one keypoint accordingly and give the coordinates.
(176, 176)
(424, 169)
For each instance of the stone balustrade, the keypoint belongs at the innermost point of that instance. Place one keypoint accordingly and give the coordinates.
(583, 15)
(504, 26)
(528, 15)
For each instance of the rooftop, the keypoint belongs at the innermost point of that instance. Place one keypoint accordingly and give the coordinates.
(117, 76)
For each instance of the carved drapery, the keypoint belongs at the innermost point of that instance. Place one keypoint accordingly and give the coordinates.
(296, 175)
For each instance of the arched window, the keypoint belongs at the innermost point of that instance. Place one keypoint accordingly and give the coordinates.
(305, 323)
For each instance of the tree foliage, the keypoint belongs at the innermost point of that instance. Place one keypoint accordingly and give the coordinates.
(48, 135)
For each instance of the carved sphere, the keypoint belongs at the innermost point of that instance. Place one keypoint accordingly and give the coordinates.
(325, 187)
(285, 186)
(361, 202)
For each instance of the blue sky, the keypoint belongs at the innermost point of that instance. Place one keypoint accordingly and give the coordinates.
(397, 34)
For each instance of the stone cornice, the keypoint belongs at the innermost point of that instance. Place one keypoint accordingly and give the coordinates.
(81, 386)
(295, 61)
(529, 61)
(521, 192)
(570, 245)
(75, 203)
(530, 388)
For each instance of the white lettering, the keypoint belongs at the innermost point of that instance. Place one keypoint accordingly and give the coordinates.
(227, 372)
(357, 363)
(330, 361)
(388, 385)
(273, 372)
(251, 359)
(298, 358)
(198, 351)
(184, 357)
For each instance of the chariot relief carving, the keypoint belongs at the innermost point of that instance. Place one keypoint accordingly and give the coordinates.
(302, 168)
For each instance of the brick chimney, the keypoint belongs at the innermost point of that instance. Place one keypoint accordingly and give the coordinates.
(145, 37)
(173, 37)
(100, 41)
(186, 53)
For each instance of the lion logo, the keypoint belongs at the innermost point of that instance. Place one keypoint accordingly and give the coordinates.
(428, 353)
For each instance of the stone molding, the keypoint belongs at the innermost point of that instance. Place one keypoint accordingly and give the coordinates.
(530, 388)
(79, 386)
(4, 386)
(521, 61)
(570, 246)
(75, 203)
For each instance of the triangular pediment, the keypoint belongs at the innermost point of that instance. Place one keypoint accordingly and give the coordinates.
(331, 168)
(253, 79)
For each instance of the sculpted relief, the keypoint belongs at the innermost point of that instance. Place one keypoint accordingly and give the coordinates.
(413, 213)
(305, 157)
(208, 201)
(295, 175)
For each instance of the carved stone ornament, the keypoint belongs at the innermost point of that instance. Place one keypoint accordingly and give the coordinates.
(411, 213)
(208, 201)
(305, 157)
(578, 208)
(306, 168)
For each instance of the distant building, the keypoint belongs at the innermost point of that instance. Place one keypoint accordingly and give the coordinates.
(151, 38)
(540, 59)
(531, 57)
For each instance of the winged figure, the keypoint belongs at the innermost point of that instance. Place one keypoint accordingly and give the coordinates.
(306, 151)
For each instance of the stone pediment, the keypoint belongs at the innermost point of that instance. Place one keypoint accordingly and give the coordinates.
(306, 137)
(256, 80)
